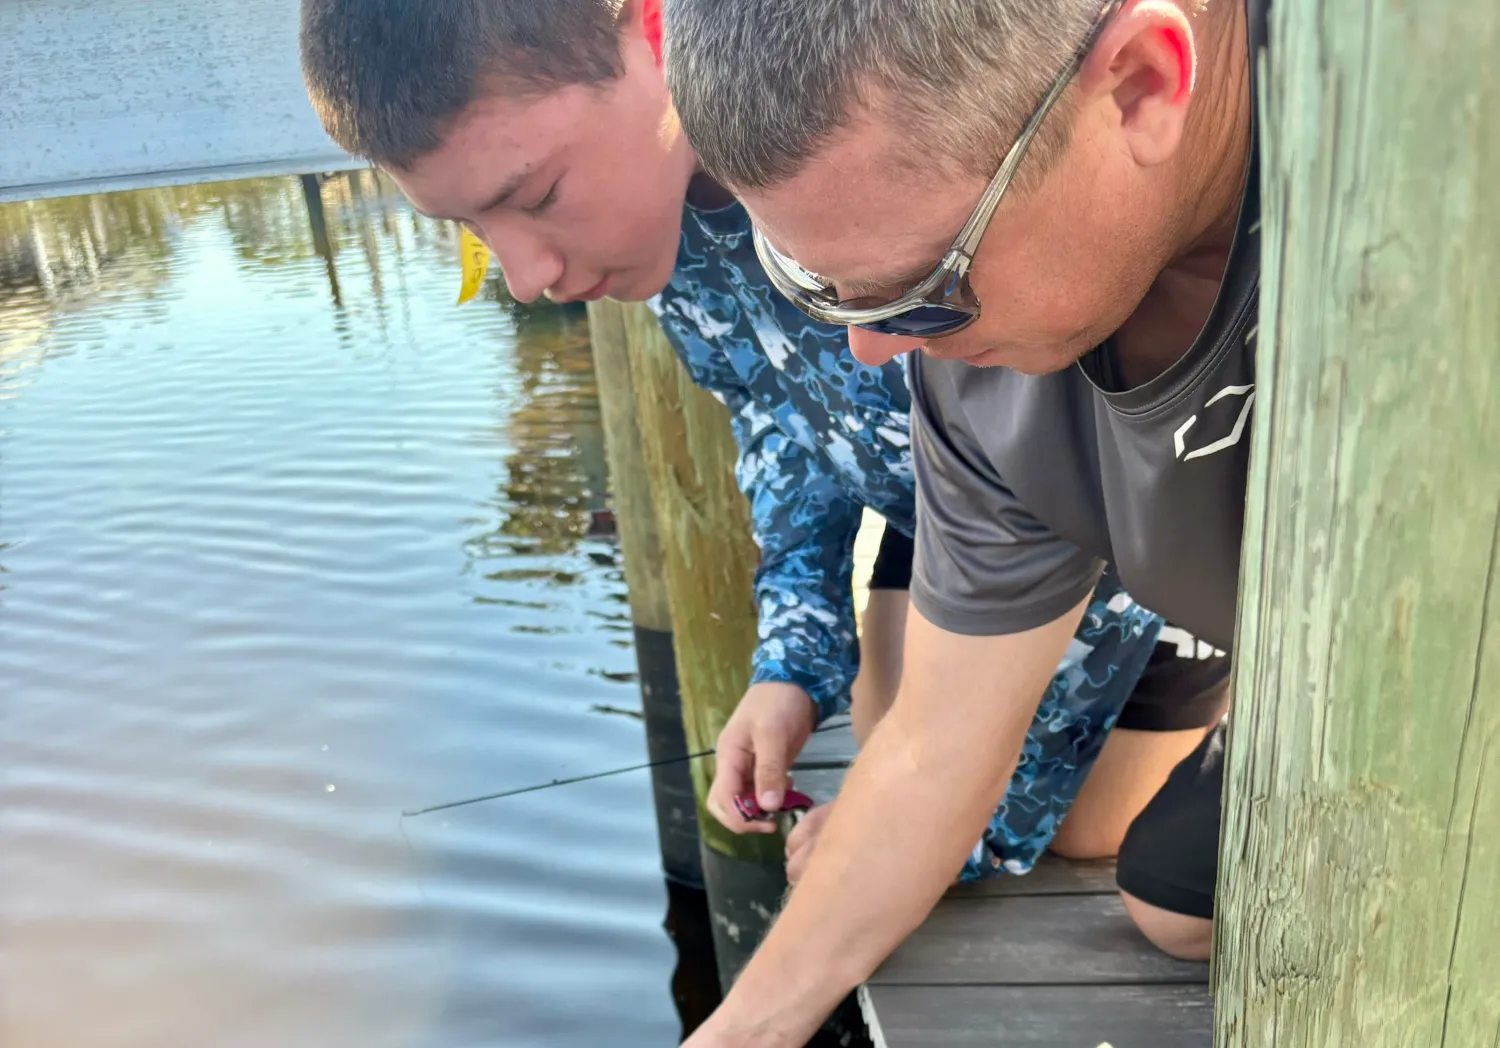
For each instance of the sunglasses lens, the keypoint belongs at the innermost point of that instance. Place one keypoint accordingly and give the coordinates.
(927, 321)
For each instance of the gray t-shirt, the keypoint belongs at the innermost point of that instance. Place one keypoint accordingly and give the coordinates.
(1027, 486)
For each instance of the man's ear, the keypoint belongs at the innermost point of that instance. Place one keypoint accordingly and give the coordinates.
(1146, 61)
(651, 25)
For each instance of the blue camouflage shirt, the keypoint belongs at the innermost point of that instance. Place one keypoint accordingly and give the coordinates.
(821, 437)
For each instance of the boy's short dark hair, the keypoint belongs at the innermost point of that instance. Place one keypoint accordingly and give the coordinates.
(387, 77)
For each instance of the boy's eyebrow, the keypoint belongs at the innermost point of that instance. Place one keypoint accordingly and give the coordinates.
(509, 189)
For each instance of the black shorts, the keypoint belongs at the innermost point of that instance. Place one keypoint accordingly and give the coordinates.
(892, 569)
(1182, 687)
(1170, 855)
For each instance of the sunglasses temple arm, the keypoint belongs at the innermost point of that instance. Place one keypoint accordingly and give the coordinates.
(973, 231)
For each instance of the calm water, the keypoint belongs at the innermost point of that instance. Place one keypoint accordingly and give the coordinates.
(285, 548)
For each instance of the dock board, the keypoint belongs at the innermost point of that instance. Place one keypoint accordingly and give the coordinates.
(1048, 960)
(103, 95)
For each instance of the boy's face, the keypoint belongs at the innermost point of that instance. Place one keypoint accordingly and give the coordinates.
(578, 193)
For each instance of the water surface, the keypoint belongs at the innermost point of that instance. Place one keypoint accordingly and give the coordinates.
(286, 546)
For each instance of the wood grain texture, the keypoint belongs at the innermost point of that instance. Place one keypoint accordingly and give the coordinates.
(1032, 940)
(1042, 1016)
(630, 485)
(646, 588)
(1360, 866)
(121, 94)
(703, 524)
(1050, 876)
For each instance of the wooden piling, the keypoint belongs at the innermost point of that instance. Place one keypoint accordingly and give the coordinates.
(317, 220)
(704, 531)
(1360, 865)
(645, 578)
(312, 194)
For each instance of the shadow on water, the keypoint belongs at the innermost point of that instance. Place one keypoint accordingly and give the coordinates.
(289, 543)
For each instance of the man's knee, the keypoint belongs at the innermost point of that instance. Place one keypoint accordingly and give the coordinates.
(1169, 860)
(1180, 935)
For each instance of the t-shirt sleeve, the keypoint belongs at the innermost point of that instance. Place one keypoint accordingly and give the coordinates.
(984, 565)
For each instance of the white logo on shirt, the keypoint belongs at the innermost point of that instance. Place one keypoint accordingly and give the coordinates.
(1179, 438)
(1188, 646)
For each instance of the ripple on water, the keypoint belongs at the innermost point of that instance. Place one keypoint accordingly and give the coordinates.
(258, 539)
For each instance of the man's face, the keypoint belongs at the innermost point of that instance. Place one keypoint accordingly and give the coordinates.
(578, 192)
(1064, 263)
(1059, 270)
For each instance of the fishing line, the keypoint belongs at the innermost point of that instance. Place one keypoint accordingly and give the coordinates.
(411, 853)
(825, 765)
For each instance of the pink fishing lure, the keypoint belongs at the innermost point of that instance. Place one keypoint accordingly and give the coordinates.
(751, 811)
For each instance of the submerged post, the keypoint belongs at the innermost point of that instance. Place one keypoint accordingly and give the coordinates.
(645, 577)
(1360, 865)
(312, 195)
(317, 219)
(704, 526)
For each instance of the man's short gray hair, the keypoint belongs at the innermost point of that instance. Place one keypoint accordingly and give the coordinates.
(760, 84)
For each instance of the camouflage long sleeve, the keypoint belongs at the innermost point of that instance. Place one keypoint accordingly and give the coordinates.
(805, 525)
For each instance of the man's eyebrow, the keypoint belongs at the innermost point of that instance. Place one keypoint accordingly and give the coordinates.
(871, 286)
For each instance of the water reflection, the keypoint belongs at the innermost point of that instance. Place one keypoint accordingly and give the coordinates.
(289, 543)
(561, 478)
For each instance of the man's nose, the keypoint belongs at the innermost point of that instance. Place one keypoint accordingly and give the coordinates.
(870, 348)
(530, 265)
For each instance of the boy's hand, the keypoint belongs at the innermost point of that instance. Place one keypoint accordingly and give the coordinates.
(769, 728)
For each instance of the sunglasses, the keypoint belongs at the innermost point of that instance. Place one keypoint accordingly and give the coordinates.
(943, 303)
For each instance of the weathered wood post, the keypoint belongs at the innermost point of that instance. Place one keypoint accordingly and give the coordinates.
(695, 982)
(1360, 864)
(645, 577)
(704, 529)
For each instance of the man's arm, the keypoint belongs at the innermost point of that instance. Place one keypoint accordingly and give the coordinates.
(914, 805)
(996, 597)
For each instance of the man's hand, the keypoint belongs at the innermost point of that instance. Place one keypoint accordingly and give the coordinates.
(716, 1032)
(801, 841)
(909, 812)
(769, 728)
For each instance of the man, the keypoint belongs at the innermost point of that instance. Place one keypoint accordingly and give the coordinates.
(546, 128)
(1055, 200)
